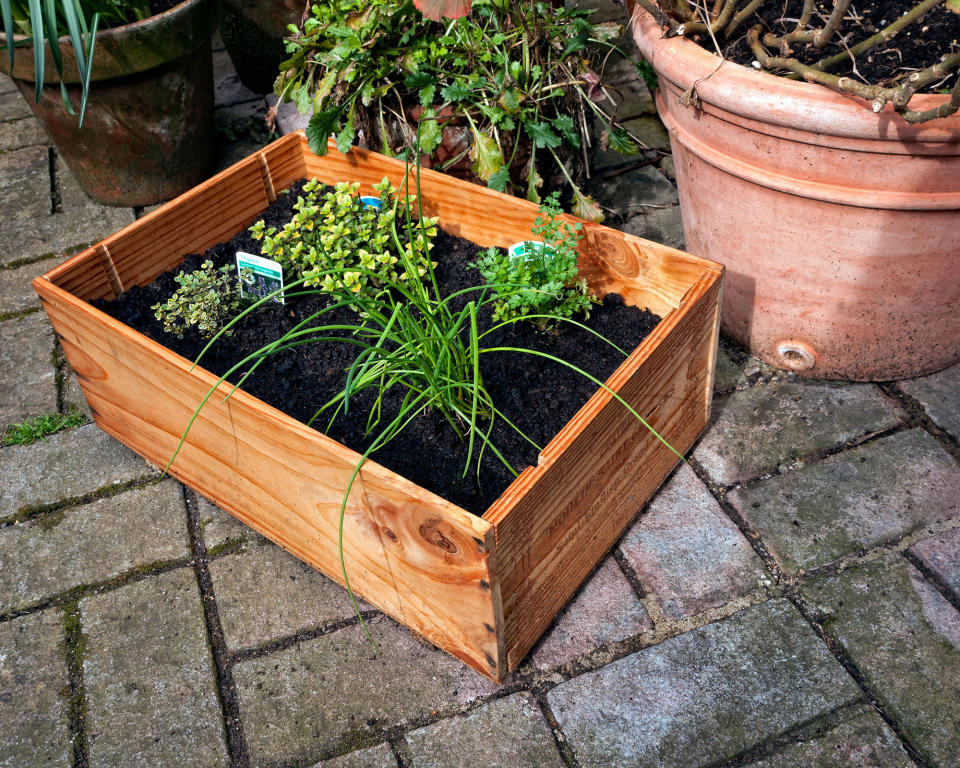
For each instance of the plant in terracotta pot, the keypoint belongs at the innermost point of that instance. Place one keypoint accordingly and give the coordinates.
(123, 89)
(817, 151)
(518, 83)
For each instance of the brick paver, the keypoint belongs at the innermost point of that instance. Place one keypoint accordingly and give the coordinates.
(151, 694)
(855, 500)
(320, 693)
(939, 394)
(507, 733)
(705, 696)
(904, 638)
(221, 529)
(29, 386)
(687, 553)
(941, 554)
(863, 740)
(16, 293)
(659, 224)
(16, 134)
(34, 690)
(266, 594)
(91, 543)
(606, 610)
(65, 466)
(759, 429)
(12, 105)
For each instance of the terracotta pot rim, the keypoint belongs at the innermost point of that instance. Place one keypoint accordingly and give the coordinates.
(183, 17)
(766, 98)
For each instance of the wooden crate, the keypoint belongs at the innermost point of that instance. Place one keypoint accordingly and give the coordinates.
(483, 588)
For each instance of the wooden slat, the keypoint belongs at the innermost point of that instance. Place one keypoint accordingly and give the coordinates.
(558, 519)
(287, 480)
(84, 275)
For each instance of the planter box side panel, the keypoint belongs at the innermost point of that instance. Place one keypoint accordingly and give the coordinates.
(419, 558)
(561, 518)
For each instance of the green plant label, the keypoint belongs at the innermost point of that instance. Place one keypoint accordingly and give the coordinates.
(527, 250)
(259, 277)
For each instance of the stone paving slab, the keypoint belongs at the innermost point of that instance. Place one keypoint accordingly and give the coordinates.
(16, 292)
(863, 741)
(25, 196)
(91, 543)
(221, 529)
(33, 677)
(506, 733)
(661, 225)
(266, 594)
(73, 397)
(705, 696)
(606, 610)
(635, 190)
(12, 105)
(321, 693)
(939, 394)
(904, 638)
(29, 385)
(63, 466)
(150, 689)
(6, 85)
(728, 374)
(374, 757)
(17, 134)
(941, 554)
(870, 495)
(687, 553)
(760, 429)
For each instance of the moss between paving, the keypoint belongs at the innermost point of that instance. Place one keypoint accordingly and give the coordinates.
(904, 638)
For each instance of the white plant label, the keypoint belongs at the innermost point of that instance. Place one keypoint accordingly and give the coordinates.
(259, 277)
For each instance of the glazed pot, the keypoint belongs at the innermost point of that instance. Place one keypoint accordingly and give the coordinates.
(839, 227)
(148, 131)
(253, 33)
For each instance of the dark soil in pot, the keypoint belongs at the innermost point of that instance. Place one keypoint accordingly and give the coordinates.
(918, 46)
(539, 396)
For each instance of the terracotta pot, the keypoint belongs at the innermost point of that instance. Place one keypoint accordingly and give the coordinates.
(253, 33)
(839, 227)
(148, 132)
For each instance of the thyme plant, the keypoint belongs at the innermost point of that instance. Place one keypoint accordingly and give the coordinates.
(207, 299)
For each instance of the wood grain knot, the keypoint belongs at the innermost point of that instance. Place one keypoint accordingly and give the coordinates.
(390, 535)
(431, 533)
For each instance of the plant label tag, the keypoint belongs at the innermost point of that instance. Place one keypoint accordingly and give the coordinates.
(259, 277)
(527, 250)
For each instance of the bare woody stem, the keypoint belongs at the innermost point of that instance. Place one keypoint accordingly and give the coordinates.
(899, 95)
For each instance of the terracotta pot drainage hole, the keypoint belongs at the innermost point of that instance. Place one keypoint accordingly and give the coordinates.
(795, 355)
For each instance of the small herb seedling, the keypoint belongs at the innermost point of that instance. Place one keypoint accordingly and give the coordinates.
(545, 284)
(207, 300)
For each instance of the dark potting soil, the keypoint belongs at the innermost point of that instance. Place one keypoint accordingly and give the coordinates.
(537, 395)
(916, 47)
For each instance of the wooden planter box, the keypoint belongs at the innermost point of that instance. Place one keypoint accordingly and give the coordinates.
(483, 588)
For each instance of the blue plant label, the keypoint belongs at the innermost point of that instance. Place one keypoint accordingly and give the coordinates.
(259, 277)
(527, 250)
(370, 201)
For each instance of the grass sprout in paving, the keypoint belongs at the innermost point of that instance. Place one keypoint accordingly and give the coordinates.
(39, 427)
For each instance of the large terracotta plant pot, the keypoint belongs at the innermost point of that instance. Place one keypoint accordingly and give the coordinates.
(482, 587)
(839, 228)
(148, 132)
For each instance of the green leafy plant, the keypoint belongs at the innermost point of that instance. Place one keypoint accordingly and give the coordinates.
(335, 229)
(39, 427)
(78, 19)
(207, 299)
(522, 78)
(543, 282)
